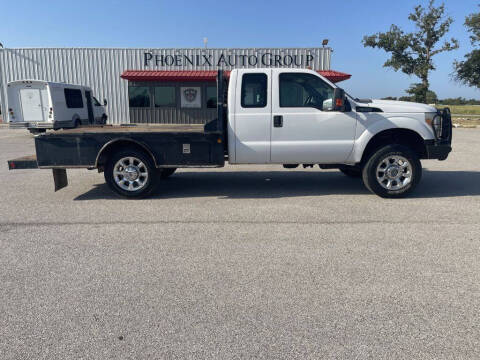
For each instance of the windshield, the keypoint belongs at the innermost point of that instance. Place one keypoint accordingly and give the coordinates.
(96, 102)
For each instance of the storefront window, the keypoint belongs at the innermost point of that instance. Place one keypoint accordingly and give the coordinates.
(139, 96)
(165, 96)
(211, 97)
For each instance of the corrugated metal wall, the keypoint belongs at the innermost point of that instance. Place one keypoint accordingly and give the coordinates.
(101, 68)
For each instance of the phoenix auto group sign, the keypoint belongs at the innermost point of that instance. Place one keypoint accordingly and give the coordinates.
(227, 60)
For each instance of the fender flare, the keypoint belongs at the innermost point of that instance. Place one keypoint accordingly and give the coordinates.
(395, 123)
(112, 143)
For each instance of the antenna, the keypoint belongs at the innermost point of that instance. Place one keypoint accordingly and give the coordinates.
(205, 42)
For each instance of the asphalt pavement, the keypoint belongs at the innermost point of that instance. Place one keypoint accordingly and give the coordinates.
(240, 262)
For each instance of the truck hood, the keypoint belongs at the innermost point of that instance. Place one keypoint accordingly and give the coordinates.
(392, 106)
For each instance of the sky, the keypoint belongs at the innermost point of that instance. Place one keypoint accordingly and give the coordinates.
(246, 23)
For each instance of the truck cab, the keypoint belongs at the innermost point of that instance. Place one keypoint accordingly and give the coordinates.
(286, 116)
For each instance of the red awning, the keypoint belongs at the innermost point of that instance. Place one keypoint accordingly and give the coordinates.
(204, 75)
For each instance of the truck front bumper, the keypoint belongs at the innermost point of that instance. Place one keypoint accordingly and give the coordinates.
(442, 145)
(436, 150)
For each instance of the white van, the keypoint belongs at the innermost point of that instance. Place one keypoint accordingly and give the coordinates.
(39, 105)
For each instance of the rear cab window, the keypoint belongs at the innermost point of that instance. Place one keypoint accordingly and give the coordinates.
(254, 90)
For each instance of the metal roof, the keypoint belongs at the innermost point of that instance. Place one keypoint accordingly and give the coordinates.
(204, 75)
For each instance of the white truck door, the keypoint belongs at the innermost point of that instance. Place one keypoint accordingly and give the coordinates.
(34, 104)
(302, 130)
(253, 112)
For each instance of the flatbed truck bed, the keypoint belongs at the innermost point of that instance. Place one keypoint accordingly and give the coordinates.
(164, 147)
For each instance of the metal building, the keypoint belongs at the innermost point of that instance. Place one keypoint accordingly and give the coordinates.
(101, 68)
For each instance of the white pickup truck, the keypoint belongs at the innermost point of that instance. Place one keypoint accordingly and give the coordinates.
(267, 116)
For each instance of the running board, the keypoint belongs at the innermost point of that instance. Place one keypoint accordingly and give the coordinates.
(30, 162)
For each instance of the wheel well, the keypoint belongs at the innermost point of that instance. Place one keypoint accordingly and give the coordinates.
(404, 137)
(108, 149)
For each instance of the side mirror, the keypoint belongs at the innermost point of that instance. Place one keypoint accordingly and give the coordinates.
(338, 99)
(327, 105)
(104, 102)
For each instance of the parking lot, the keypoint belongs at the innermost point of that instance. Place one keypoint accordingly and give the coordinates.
(240, 262)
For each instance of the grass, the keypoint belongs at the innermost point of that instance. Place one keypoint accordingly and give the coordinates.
(464, 115)
(463, 109)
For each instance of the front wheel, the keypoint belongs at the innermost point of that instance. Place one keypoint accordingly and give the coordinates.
(392, 171)
(131, 173)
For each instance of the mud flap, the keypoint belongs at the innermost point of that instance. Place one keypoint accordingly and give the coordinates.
(60, 178)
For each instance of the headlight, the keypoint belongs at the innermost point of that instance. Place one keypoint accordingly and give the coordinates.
(435, 121)
(437, 126)
(429, 117)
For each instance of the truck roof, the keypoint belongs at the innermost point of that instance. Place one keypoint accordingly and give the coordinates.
(49, 83)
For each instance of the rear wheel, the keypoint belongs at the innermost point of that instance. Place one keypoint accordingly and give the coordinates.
(392, 171)
(131, 173)
(166, 172)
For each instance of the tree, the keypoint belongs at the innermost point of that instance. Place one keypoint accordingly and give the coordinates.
(468, 71)
(412, 53)
(416, 92)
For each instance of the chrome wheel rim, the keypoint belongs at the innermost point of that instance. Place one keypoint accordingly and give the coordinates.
(394, 172)
(130, 173)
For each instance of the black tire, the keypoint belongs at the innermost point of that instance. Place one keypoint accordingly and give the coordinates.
(166, 172)
(148, 168)
(381, 157)
(77, 123)
(351, 171)
(103, 121)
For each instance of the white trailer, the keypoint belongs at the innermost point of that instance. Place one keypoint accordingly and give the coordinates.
(39, 105)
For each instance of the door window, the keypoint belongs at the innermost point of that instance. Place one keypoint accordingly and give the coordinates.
(254, 90)
(304, 90)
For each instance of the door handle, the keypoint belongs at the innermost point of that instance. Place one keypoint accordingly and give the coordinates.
(277, 121)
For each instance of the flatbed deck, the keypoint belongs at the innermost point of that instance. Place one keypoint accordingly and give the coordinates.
(133, 128)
